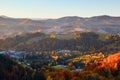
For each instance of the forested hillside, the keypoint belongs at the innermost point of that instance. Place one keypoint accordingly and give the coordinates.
(106, 69)
(10, 70)
(87, 42)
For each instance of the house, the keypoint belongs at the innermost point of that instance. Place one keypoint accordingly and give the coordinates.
(64, 51)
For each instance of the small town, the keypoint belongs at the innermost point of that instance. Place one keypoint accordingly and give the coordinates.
(61, 59)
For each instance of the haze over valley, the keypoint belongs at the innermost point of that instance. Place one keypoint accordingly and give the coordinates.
(59, 40)
(65, 25)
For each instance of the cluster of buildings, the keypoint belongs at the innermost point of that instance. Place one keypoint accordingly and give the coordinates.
(14, 54)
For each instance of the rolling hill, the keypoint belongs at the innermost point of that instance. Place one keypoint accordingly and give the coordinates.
(65, 25)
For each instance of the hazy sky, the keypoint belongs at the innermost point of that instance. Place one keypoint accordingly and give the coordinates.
(59, 8)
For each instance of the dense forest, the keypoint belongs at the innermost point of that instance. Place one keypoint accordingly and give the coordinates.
(106, 69)
(91, 52)
(87, 42)
(10, 70)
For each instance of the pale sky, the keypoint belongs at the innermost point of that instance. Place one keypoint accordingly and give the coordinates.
(58, 8)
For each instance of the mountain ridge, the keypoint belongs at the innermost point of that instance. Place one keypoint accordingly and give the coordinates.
(69, 24)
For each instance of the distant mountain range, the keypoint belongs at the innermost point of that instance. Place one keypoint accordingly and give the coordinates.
(65, 25)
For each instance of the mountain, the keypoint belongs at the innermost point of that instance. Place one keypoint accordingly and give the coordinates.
(4, 16)
(65, 25)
